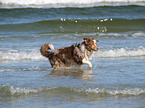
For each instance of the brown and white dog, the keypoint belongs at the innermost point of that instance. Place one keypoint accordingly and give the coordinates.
(76, 54)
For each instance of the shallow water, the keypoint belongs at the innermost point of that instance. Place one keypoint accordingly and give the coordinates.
(117, 78)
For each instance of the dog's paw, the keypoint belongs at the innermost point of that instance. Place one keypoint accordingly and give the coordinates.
(90, 65)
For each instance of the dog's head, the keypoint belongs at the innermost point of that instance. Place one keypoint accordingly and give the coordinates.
(91, 44)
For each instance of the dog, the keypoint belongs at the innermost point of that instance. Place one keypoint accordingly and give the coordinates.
(76, 54)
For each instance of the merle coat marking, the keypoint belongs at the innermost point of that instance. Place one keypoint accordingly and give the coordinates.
(76, 54)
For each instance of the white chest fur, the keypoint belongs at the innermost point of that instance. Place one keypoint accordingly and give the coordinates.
(87, 55)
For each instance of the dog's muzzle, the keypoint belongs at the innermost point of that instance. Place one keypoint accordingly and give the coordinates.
(95, 48)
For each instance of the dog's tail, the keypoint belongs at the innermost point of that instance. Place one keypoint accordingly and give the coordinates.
(44, 49)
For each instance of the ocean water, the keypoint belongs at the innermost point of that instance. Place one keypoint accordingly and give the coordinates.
(117, 78)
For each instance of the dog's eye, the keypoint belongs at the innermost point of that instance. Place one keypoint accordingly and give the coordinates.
(94, 42)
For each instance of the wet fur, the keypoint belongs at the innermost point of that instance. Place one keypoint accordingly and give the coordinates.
(76, 54)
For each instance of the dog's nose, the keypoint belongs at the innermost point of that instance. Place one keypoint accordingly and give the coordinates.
(96, 49)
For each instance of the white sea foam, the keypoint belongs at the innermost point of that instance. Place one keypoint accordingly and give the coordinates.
(20, 55)
(10, 90)
(107, 53)
(138, 34)
(121, 52)
(18, 91)
(134, 91)
(69, 3)
(25, 91)
(127, 34)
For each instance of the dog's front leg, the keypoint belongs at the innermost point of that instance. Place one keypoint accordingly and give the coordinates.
(87, 62)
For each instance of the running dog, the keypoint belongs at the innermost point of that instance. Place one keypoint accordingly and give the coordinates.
(76, 54)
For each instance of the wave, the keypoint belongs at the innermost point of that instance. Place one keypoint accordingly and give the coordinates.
(17, 91)
(106, 53)
(67, 3)
(126, 91)
(121, 52)
(77, 26)
(11, 91)
(15, 55)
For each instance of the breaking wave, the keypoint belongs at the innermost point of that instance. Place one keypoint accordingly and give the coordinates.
(17, 91)
(121, 52)
(10, 91)
(20, 55)
(35, 55)
(132, 91)
(66, 3)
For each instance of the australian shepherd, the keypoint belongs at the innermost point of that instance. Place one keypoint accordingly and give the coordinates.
(76, 54)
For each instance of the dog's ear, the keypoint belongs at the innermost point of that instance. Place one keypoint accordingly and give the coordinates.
(87, 41)
(85, 38)
(97, 40)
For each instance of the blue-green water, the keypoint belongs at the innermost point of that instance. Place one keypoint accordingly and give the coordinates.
(117, 78)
